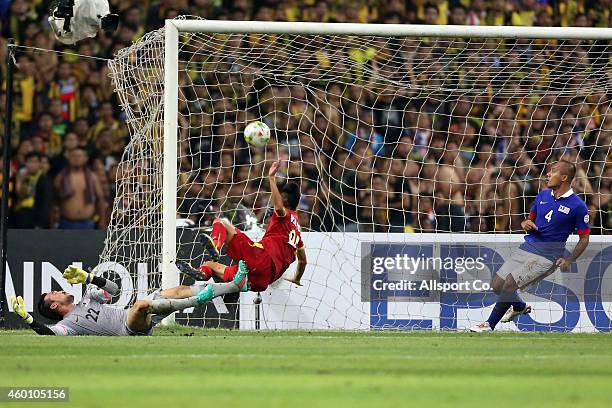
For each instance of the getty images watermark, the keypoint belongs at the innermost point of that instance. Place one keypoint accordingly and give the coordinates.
(414, 266)
(425, 271)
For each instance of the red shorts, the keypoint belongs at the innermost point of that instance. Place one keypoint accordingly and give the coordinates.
(260, 264)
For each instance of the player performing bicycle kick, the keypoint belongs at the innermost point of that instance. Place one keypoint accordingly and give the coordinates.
(265, 260)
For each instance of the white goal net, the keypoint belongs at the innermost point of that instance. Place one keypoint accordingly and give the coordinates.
(399, 144)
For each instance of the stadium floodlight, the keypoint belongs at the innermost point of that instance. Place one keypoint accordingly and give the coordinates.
(375, 121)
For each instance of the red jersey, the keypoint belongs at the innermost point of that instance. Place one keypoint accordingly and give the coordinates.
(282, 239)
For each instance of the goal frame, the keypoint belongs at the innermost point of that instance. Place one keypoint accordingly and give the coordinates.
(173, 28)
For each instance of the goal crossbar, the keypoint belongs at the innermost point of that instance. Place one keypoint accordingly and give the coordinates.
(395, 30)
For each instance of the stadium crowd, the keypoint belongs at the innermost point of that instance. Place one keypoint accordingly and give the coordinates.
(370, 159)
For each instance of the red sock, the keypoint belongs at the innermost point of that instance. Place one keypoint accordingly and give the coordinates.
(229, 273)
(218, 234)
(206, 271)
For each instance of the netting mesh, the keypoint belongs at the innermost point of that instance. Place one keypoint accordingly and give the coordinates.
(384, 135)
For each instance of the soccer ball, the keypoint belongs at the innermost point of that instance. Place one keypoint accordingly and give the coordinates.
(257, 134)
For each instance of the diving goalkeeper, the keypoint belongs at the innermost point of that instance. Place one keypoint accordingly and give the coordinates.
(267, 259)
(93, 316)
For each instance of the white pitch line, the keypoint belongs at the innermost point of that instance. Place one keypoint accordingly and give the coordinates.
(285, 356)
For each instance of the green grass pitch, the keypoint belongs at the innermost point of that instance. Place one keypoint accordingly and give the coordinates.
(183, 367)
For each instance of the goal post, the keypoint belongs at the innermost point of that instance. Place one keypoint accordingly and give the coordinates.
(356, 110)
(170, 273)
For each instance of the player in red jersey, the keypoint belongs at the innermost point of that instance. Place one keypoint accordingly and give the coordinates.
(267, 259)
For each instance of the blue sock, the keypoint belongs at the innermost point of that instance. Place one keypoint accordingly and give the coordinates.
(515, 300)
(497, 313)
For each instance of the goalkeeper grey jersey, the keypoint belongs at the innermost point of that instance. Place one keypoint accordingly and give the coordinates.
(91, 316)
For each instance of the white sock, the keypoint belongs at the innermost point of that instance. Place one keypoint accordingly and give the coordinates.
(167, 306)
(221, 289)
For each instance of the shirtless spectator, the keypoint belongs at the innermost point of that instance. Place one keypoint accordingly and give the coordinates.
(478, 185)
(81, 199)
(449, 186)
(400, 198)
(508, 198)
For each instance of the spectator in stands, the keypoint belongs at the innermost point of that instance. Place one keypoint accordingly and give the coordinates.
(499, 13)
(32, 195)
(106, 121)
(432, 14)
(375, 211)
(400, 197)
(478, 174)
(11, 189)
(60, 123)
(23, 98)
(366, 130)
(81, 129)
(89, 103)
(418, 128)
(581, 20)
(60, 161)
(45, 130)
(600, 13)
(449, 182)
(81, 199)
(458, 14)
(65, 88)
(524, 13)
(24, 148)
(602, 203)
(477, 13)
(543, 19)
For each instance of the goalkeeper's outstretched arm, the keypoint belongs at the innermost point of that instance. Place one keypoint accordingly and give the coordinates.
(75, 275)
(105, 284)
(20, 310)
(41, 329)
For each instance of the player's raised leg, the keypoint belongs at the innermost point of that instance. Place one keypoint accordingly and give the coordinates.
(238, 283)
(178, 292)
(197, 295)
(204, 272)
(162, 303)
(222, 231)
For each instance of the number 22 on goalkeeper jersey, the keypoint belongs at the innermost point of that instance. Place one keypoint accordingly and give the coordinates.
(283, 237)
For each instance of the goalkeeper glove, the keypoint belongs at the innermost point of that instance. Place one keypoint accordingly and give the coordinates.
(19, 308)
(77, 275)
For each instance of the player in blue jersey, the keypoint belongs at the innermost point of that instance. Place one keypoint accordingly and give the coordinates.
(555, 214)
